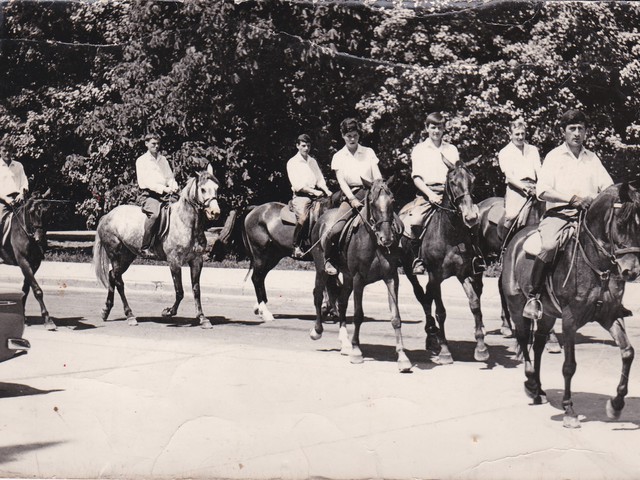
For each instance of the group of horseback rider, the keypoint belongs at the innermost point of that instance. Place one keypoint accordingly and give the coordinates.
(568, 180)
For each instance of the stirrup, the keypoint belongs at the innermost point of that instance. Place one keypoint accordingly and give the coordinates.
(148, 254)
(329, 269)
(478, 265)
(417, 267)
(533, 308)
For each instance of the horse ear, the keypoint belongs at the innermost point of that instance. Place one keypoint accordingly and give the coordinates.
(209, 169)
(366, 182)
(392, 180)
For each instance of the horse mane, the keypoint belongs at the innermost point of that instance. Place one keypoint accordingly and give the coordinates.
(377, 187)
(625, 199)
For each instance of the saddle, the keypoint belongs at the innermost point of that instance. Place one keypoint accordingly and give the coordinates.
(417, 213)
(533, 244)
(349, 229)
(288, 217)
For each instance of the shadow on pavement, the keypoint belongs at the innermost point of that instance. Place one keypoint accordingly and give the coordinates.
(591, 407)
(10, 390)
(74, 323)
(10, 453)
(462, 351)
(333, 320)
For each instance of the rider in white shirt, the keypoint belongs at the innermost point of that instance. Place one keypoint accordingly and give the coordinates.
(307, 183)
(520, 163)
(155, 179)
(13, 182)
(430, 163)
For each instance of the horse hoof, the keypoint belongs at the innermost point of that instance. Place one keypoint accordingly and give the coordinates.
(345, 350)
(506, 332)
(529, 392)
(167, 312)
(256, 309)
(356, 359)
(404, 366)
(104, 314)
(267, 316)
(612, 413)
(50, 326)
(132, 322)
(315, 335)
(540, 400)
(481, 355)
(571, 421)
(443, 359)
(206, 324)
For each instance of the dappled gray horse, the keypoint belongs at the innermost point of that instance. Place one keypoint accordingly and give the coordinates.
(119, 239)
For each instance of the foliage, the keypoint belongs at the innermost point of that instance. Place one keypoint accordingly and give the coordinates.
(234, 83)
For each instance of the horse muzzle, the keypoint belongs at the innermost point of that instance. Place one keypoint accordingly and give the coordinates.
(212, 210)
(471, 215)
(629, 267)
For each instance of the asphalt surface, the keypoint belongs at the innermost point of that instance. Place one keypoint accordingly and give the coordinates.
(248, 399)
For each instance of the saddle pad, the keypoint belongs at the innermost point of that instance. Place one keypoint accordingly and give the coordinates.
(533, 244)
(347, 231)
(287, 215)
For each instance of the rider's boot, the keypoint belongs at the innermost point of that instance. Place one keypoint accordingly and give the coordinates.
(533, 307)
(417, 267)
(297, 251)
(149, 233)
(329, 267)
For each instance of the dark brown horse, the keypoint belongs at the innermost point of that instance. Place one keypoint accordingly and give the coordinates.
(119, 237)
(268, 238)
(448, 249)
(25, 248)
(492, 245)
(588, 284)
(369, 255)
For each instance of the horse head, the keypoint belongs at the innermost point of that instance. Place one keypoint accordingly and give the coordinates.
(202, 191)
(34, 209)
(614, 221)
(379, 212)
(459, 187)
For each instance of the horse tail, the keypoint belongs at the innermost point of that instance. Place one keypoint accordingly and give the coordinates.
(100, 260)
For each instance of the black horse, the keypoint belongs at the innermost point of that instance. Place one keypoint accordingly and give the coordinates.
(25, 247)
(448, 249)
(588, 284)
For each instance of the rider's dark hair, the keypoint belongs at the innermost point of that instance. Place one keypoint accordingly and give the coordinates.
(349, 125)
(303, 138)
(571, 117)
(151, 136)
(435, 118)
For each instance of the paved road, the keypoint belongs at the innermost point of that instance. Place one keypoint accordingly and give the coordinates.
(253, 400)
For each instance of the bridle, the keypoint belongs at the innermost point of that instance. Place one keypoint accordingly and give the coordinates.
(613, 254)
(195, 200)
(373, 225)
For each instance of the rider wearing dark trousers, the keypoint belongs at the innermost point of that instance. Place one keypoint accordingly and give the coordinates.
(307, 183)
(155, 179)
(570, 178)
(353, 163)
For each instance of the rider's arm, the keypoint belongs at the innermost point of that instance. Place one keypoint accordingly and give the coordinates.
(422, 187)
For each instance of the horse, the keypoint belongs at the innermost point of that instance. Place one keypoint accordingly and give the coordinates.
(448, 249)
(119, 238)
(367, 256)
(268, 239)
(492, 245)
(25, 246)
(587, 283)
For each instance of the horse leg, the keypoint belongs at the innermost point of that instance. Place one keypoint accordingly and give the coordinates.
(539, 340)
(196, 268)
(261, 267)
(358, 317)
(473, 288)
(404, 365)
(619, 334)
(436, 342)
(505, 329)
(26, 286)
(318, 297)
(115, 280)
(570, 419)
(343, 302)
(430, 328)
(176, 275)
(29, 277)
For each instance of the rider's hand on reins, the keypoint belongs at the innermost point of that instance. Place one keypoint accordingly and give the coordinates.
(355, 203)
(581, 203)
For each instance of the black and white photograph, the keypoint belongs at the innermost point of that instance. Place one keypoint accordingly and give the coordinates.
(335, 239)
